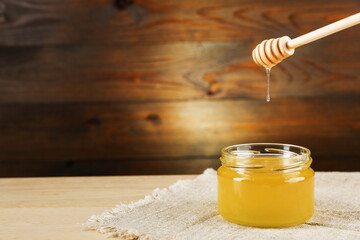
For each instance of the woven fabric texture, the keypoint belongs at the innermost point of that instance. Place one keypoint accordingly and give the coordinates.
(187, 210)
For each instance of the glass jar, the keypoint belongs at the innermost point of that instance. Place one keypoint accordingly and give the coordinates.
(266, 185)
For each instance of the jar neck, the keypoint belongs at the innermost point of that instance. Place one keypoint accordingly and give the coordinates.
(266, 157)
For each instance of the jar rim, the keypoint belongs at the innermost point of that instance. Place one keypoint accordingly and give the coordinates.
(262, 157)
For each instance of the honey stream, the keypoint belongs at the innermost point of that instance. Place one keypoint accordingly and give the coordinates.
(268, 84)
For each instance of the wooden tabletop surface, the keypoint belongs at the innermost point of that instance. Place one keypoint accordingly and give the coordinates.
(54, 208)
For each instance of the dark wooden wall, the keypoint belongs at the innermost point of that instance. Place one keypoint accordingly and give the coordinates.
(159, 87)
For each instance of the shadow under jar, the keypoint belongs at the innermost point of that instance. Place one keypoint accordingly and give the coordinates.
(266, 185)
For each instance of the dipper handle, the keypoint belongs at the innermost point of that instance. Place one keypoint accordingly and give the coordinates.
(271, 52)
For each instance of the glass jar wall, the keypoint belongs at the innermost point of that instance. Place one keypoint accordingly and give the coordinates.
(266, 185)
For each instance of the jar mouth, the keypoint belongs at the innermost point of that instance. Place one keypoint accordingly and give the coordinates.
(265, 157)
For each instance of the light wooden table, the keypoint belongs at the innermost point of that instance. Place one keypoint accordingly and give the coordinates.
(53, 208)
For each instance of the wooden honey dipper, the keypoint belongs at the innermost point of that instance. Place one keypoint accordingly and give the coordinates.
(272, 51)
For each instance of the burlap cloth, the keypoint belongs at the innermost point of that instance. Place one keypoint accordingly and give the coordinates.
(188, 210)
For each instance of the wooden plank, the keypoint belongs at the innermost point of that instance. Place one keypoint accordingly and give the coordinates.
(54, 208)
(172, 72)
(161, 86)
(108, 167)
(43, 22)
(79, 192)
(147, 166)
(54, 132)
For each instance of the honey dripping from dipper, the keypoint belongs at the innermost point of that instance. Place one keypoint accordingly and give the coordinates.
(268, 84)
(272, 51)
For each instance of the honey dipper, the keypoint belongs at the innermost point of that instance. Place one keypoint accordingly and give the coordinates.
(272, 51)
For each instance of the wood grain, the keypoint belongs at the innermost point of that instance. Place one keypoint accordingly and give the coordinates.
(111, 167)
(161, 86)
(182, 130)
(149, 166)
(172, 72)
(79, 192)
(43, 22)
(54, 208)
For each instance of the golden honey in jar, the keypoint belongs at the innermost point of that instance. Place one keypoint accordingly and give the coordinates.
(266, 185)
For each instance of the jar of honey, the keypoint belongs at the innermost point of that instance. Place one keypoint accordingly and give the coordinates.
(266, 185)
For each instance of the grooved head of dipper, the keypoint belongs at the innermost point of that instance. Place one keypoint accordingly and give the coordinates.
(272, 51)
